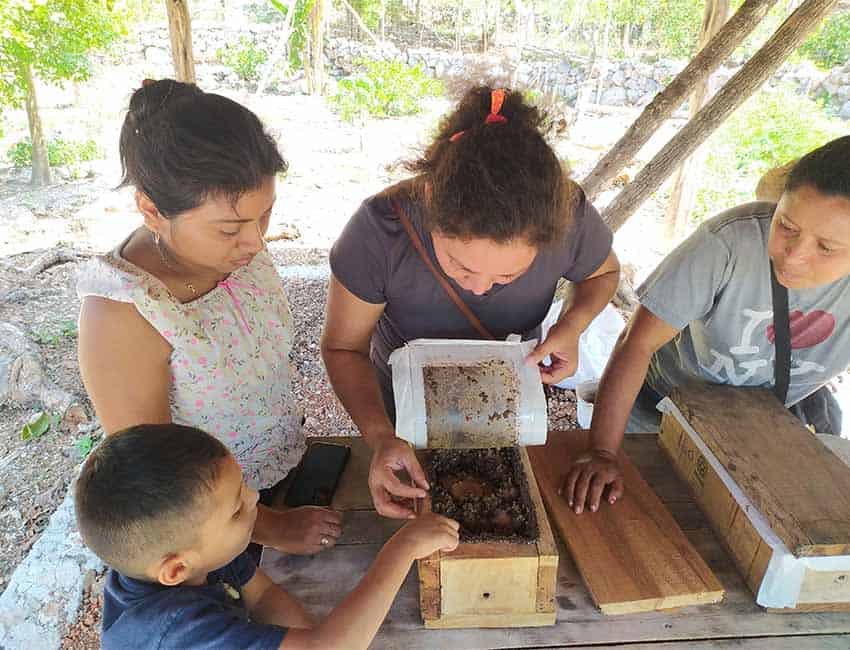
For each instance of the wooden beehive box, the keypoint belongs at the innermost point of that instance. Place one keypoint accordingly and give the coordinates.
(777, 498)
(493, 584)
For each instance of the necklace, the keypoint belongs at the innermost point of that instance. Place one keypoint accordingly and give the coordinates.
(188, 285)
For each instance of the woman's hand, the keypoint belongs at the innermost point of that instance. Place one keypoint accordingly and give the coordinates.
(588, 477)
(299, 531)
(389, 456)
(561, 345)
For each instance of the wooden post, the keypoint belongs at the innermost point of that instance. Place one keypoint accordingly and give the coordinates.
(180, 30)
(749, 78)
(458, 25)
(684, 185)
(659, 109)
(316, 60)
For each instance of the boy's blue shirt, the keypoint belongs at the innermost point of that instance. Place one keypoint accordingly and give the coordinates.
(138, 614)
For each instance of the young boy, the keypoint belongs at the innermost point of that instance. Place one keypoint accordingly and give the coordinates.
(165, 507)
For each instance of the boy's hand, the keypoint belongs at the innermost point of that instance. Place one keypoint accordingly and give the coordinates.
(306, 530)
(587, 479)
(428, 533)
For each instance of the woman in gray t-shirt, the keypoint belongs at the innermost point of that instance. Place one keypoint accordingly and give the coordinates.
(500, 219)
(706, 312)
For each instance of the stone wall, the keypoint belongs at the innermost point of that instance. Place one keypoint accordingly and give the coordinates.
(623, 83)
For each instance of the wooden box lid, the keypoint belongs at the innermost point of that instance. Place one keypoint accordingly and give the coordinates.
(799, 486)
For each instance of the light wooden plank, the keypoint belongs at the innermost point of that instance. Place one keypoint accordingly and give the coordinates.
(633, 556)
(429, 588)
(503, 585)
(547, 569)
(795, 481)
(491, 621)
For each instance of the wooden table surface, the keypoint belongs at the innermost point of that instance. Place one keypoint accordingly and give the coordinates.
(322, 580)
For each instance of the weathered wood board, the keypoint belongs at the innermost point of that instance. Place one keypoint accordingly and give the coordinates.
(797, 484)
(493, 584)
(781, 475)
(632, 556)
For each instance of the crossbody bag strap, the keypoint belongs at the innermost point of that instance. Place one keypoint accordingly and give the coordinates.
(781, 338)
(438, 275)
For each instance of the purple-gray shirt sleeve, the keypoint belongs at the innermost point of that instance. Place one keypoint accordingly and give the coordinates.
(358, 258)
(684, 286)
(588, 242)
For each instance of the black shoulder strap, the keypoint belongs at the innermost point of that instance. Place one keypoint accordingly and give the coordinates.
(781, 338)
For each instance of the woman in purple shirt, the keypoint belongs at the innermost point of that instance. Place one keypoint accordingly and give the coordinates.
(500, 221)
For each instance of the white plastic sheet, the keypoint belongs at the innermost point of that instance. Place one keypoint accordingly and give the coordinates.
(408, 383)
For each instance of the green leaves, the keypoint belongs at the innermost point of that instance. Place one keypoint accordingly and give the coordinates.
(383, 89)
(772, 128)
(37, 426)
(85, 444)
(54, 37)
(59, 152)
(829, 46)
(67, 330)
(244, 58)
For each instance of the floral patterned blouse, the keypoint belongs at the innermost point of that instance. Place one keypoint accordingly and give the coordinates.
(230, 368)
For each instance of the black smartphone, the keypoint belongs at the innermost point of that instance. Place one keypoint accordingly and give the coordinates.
(317, 475)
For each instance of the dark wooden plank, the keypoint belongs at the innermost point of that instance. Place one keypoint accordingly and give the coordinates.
(799, 486)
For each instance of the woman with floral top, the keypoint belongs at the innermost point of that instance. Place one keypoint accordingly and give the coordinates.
(186, 320)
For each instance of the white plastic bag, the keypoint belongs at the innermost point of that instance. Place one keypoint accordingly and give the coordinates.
(595, 345)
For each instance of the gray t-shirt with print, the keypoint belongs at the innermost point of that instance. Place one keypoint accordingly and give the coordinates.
(375, 260)
(715, 288)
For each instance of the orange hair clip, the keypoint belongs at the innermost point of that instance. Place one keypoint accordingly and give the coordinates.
(497, 98)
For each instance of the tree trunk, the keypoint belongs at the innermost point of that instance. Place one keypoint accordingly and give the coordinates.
(605, 62)
(458, 25)
(180, 29)
(40, 161)
(684, 185)
(700, 67)
(316, 78)
(497, 30)
(746, 81)
(484, 11)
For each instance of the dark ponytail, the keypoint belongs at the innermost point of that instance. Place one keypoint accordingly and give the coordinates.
(180, 146)
(498, 180)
